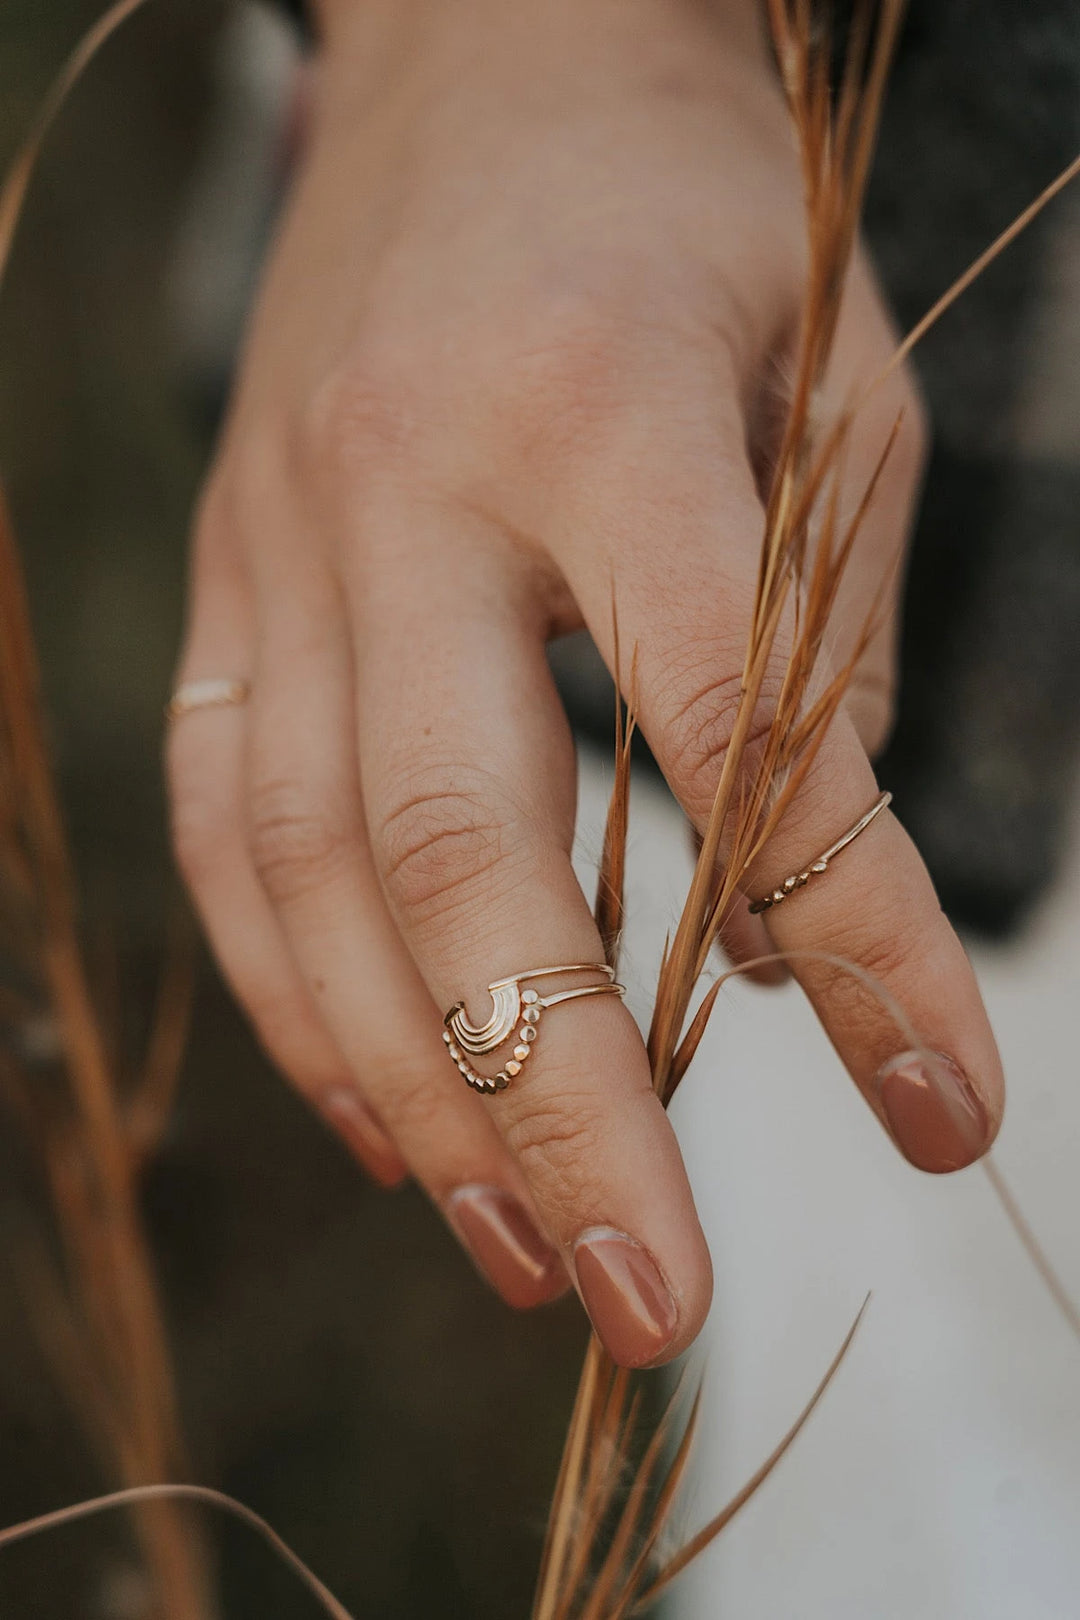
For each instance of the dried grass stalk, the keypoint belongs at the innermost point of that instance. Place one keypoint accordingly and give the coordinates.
(96, 1308)
(800, 579)
(805, 549)
(95, 1305)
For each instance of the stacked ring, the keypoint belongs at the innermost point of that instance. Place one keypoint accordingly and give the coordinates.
(510, 1003)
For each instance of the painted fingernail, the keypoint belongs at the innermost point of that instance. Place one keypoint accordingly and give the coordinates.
(934, 1114)
(629, 1302)
(352, 1119)
(518, 1262)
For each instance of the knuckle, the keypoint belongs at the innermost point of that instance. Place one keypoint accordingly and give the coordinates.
(440, 843)
(557, 1143)
(573, 344)
(699, 734)
(882, 955)
(891, 950)
(570, 373)
(407, 1102)
(362, 417)
(296, 845)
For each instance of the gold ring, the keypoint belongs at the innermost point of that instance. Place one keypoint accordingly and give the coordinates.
(214, 693)
(509, 1003)
(799, 880)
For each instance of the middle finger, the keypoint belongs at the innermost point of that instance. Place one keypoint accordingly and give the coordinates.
(468, 781)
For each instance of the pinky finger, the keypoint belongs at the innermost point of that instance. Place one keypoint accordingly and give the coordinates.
(205, 752)
(204, 763)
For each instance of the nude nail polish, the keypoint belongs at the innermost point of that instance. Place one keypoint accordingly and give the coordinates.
(933, 1112)
(347, 1113)
(630, 1304)
(514, 1257)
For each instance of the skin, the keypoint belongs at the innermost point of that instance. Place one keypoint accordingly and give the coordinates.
(522, 335)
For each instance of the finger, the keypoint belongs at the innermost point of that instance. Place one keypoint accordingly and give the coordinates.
(938, 1087)
(468, 775)
(204, 761)
(686, 606)
(746, 939)
(309, 846)
(873, 581)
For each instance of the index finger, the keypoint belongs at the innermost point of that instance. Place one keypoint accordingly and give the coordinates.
(686, 606)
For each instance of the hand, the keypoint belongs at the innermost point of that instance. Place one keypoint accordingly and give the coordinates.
(522, 338)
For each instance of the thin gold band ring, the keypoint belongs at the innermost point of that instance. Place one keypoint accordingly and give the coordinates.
(509, 1003)
(214, 693)
(799, 880)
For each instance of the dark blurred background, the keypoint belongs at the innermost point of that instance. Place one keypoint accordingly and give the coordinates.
(341, 1367)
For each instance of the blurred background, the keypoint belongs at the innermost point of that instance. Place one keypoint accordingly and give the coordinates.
(340, 1366)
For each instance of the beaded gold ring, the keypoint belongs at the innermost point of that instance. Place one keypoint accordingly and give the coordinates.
(799, 880)
(510, 1003)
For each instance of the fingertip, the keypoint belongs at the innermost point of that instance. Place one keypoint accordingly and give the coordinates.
(639, 1317)
(506, 1246)
(934, 1112)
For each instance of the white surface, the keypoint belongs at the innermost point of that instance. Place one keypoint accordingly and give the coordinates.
(940, 1477)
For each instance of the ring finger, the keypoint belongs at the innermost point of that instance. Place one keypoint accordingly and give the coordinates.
(205, 750)
(309, 847)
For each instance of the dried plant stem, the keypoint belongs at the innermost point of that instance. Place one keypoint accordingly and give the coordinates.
(123, 1379)
(597, 1367)
(143, 1497)
(709, 1532)
(1033, 1248)
(90, 1162)
(805, 549)
(17, 181)
(975, 270)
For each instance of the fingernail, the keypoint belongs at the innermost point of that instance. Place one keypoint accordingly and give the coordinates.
(352, 1119)
(629, 1302)
(516, 1259)
(934, 1114)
